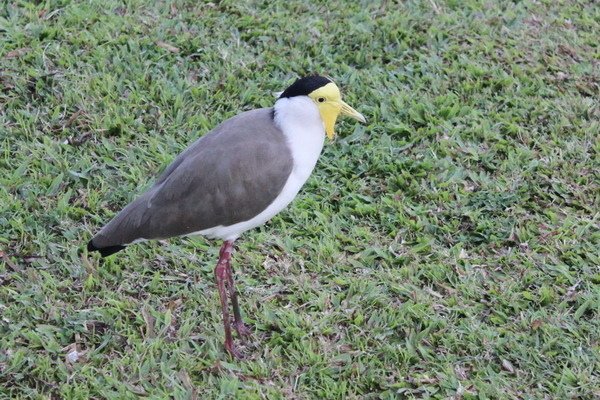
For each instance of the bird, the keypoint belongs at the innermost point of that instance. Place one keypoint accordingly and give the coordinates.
(232, 179)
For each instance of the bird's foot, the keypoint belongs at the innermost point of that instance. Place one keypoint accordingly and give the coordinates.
(242, 329)
(233, 351)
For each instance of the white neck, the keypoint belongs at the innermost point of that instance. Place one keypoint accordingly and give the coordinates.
(299, 119)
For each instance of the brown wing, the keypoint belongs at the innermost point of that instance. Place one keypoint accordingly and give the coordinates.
(228, 176)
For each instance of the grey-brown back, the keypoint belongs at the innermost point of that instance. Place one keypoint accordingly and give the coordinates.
(227, 176)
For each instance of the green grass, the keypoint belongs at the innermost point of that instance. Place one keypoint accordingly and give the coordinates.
(448, 249)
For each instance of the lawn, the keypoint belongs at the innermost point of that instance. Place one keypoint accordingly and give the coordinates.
(447, 249)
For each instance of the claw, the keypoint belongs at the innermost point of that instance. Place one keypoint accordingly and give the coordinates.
(232, 350)
(242, 329)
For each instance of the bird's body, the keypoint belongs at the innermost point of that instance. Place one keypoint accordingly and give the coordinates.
(234, 178)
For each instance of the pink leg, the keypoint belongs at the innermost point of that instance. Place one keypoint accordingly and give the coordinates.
(241, 329)
(221, 276)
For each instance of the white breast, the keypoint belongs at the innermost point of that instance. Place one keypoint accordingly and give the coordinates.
(299, 119)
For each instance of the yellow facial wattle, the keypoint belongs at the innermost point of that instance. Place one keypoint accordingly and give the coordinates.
(329, 100)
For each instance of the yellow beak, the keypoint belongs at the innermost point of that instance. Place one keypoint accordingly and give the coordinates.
(330, 116)
(352, 113)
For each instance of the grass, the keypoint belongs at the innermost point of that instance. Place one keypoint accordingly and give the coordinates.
(448, 249)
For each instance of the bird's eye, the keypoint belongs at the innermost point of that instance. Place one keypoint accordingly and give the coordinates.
(321, 99)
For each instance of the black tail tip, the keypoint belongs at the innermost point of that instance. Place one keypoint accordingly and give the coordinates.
(104, 251)
(91, 247)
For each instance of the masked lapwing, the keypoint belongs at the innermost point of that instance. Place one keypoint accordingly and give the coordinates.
(233, 179)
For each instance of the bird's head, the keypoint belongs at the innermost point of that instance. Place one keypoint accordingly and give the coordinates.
(327, 98)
